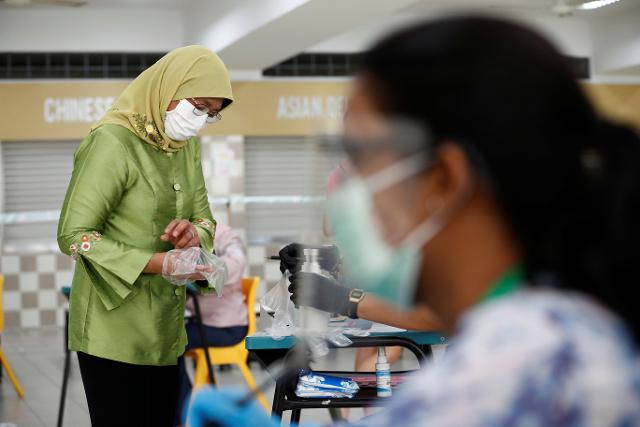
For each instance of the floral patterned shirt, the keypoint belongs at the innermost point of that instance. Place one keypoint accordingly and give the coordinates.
(122, 194)
(533, 358)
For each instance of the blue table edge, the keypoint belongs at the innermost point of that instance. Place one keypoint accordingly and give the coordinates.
(263, 342)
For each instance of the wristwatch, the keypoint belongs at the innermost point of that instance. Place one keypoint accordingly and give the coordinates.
(355, 296)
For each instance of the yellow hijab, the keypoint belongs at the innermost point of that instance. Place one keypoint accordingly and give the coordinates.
(186, 72)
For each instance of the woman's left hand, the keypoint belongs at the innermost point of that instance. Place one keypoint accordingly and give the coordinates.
(181, 233)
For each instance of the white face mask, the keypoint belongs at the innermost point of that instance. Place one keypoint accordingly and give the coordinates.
(181, 123)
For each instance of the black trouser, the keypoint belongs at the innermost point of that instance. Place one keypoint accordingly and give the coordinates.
(126, 395)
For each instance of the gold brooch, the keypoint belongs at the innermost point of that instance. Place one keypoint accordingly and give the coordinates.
(147, 128)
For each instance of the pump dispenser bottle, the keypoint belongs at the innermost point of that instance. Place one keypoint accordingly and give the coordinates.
(383, 374)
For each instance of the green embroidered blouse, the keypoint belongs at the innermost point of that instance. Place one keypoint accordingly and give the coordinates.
(122, 194)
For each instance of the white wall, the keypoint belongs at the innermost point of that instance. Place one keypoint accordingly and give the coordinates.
(65, 29)
(572, 35)
(617, 40)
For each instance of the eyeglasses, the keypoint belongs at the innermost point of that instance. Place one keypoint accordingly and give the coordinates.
(201, 110)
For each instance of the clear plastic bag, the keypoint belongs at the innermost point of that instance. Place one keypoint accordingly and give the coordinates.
(279, 318)
(182, 266)
(277, 311)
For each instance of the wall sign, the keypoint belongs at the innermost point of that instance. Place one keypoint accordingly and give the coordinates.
(86, 109)
(66, 110)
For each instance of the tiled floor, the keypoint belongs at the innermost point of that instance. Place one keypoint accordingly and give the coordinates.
(36, 356)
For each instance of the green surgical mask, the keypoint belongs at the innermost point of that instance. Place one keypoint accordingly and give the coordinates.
(372, 264)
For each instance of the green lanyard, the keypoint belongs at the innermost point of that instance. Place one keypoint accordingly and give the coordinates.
(510, 281)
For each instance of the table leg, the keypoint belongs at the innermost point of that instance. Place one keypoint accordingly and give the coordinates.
(278, 396)
(336, 415)
(295, 416)
(428, 352)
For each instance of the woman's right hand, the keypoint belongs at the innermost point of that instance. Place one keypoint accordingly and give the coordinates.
(181, 234)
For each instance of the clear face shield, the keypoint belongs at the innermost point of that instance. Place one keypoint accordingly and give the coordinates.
(376, 217)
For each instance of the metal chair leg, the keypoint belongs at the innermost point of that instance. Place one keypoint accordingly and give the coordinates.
(63, 393)
(4, 363)
(65, 375)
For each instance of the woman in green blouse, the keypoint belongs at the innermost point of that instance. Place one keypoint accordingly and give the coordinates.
(137, 191)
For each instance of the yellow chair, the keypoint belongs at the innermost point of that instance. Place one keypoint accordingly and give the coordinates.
(3, 360)
(235, 354)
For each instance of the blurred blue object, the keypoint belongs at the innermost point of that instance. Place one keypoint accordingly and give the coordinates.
(220, 407)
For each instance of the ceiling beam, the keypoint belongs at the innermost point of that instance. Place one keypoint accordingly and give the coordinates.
(256, 34)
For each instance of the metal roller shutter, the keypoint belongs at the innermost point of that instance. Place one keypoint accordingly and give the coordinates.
(284, 167)
(35, 177)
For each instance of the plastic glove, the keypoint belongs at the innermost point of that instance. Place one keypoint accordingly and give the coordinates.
(219, 407)
(292, 257)
(323, 293)
(182, 266)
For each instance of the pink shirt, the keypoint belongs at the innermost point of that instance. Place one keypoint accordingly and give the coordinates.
(337, 177)
(230, 309)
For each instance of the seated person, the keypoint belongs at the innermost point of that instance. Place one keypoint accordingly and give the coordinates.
(224, 318)
(329, 295)
(421, 318)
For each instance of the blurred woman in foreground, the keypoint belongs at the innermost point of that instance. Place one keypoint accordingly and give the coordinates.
(517, 211)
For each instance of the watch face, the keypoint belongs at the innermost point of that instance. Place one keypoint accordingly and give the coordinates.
(356, 295)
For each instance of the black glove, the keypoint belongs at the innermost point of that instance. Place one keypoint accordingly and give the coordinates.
(319, 292)
(292, 257)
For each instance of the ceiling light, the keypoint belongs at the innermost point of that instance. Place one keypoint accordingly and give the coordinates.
(596, 4)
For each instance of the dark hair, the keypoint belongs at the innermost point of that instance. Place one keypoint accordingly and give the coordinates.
(567, 180)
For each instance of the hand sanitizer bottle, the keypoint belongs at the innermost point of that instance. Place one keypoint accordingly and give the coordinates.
(383, 374)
